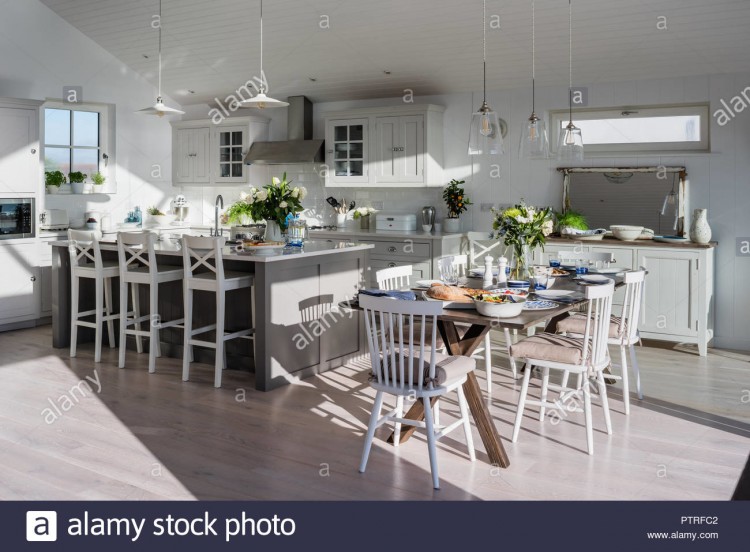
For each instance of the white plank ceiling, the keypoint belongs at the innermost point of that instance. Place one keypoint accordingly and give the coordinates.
(211, 47)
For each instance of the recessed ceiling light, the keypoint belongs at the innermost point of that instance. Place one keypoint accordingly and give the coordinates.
(145, 56)
(312, 79)
(191, 91)
(387, 72)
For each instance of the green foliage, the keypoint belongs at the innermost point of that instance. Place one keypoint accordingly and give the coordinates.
(54, 178)
(522, 225)
(571, 219)
(272, 202)
(77, 177)
(455, 198)
(154, 211)
(98, 178)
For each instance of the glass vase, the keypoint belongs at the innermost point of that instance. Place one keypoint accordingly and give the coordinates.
(521, 269)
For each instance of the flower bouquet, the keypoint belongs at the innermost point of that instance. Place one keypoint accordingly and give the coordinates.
(522, 227)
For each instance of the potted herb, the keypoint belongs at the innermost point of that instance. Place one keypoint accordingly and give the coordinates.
(522, 227)
(98, 179)
(156, 217)
(91, 223)
(457, 202)
(77, 180)
(272, 203)
(363, 214)
(570, 219)
(53, 180)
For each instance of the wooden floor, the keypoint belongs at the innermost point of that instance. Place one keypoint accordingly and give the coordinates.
(151, 436)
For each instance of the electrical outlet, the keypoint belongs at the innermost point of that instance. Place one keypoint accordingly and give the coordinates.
(485, 207)
(377, 205)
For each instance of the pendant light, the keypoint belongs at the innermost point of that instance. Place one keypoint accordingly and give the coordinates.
(260, 100)
(159, 109)
(534, 143)
(570, 145)
(485, 135)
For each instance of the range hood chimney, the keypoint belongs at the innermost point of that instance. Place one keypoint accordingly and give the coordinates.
(299, 146)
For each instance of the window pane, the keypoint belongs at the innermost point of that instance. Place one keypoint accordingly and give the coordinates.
(638, 130)
(224, 138)
(236, 169)
(339, 133)
(57, 159)
(237, 138)
(236, 154)
(57, 126)
(224, 170)
(355, 132)
(86, 161)
(85, 128)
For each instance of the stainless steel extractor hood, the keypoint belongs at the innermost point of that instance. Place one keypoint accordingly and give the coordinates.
(299, 146)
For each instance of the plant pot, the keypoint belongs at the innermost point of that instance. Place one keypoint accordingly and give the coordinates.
(273, 232)
(341, 220)
(97, 189)
(364, 222)
(92, 225)
(452, 225)
(77, 187)
(66, 189)
(700, 231)
(52, 190)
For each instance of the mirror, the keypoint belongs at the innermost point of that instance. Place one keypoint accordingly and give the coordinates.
(652, 197)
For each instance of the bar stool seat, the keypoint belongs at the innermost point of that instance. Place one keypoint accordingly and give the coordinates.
(138, 266)
(204, 271)
(86, 262)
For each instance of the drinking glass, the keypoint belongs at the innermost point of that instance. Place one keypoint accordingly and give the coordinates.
(554, 262)
(582, 266)
(448, 272)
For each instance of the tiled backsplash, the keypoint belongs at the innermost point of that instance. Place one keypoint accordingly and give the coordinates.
(317, 211)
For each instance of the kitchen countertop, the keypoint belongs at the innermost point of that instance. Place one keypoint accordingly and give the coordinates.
(311, 249)
(381, 234)
(614, 242)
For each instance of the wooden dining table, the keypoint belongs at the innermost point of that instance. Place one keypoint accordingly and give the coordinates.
(463, 330)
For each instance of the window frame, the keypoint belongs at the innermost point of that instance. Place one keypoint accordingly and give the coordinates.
(106, 134)
(560, 117)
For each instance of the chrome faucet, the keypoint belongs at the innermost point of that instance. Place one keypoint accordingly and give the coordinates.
(218, 205)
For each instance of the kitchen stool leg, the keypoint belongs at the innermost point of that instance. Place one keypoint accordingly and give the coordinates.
(99, 316)
(625, 382)
(74, 283)
(154, 324)
(219, 357)
(123, 323)
(187, 348)
(108, 307)
(137, 315)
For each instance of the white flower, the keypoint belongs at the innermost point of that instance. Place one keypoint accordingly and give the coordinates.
(522, 219)
(275, 181)
(547, 227)
(295, 192)
(282, 204)
(530, 212)
(302, 192)
(262, 195)
(243, 196)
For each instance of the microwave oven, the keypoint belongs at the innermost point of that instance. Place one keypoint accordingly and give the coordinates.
(16, 218)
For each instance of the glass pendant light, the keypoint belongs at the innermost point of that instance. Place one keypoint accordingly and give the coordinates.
(485, 135)
(260, 100)
(159, 109)
(570, 145)
(534, 143)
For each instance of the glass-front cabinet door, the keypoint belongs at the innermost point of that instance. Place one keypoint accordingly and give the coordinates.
(346, 147)
(230, 146)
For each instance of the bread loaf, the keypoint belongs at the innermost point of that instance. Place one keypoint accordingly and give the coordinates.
(452, 293)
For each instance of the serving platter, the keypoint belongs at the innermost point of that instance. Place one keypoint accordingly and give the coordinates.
(459, 305)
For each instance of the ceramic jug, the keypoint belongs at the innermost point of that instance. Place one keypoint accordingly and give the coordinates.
(700, 231)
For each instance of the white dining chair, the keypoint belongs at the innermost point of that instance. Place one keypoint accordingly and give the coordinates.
(203, 265)
(394, 278)
(623, 332)
(86, 262)
(480, 245)
(139, 267)
(406, 364)
(587, 355)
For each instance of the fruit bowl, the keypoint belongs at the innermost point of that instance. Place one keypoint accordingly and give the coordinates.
(626, 233)
(487, 305)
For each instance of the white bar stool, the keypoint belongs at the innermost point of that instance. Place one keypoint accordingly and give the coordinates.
(136, 270)
(202, 275)
(86, 262)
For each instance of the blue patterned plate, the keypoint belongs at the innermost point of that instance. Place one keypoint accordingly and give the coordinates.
(540, 305)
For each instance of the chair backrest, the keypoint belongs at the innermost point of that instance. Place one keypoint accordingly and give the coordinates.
(198, 254)
(136, 249)
(396, 354)
(395, 277)
(631, 306)
(459, 262)
(83, 246)
(606, 257)
(598, 314)
(481, 245)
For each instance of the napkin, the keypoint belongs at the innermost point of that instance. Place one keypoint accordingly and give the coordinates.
(393, 294)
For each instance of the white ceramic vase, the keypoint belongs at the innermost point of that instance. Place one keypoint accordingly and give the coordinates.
(341, 220)
(52, 190)
(77, 187)
(452, 225)
(700, 231)
(273, 231)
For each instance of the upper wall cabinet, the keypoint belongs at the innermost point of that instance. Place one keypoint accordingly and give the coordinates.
(399, 146)
(19, 147)
(207, 153)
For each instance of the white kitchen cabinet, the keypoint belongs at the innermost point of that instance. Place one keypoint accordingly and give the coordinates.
(398, 146)
(191, 155)
(19, 147)
(207, 153)
(19, 281)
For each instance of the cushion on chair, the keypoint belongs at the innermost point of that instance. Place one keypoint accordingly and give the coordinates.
(448, 368)
(549, 346)
(418, 335)
(576, 324)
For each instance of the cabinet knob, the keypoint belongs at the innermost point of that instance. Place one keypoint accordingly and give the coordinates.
(392, 249)
(33, 278)
(391, 265)
(33, 150)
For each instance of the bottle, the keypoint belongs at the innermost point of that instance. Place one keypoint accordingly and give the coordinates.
(137, 215)
(502, 279)
(487, 280)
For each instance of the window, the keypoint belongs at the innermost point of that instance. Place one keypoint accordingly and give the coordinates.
(75, 138)
(638, 129)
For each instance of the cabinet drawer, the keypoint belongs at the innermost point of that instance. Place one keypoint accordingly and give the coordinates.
(406, 248)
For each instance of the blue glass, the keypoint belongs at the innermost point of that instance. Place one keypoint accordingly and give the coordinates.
(582, 270)
(555, 263)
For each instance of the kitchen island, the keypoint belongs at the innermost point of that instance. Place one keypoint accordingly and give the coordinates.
(299, 329)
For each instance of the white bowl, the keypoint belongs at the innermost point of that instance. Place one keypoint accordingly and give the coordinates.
(626, 233)
(160, 220)
(500, 310)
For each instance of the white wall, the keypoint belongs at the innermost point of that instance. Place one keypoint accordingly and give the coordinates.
(41, 53)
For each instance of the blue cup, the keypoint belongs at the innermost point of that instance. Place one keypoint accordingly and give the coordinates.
(554, 263)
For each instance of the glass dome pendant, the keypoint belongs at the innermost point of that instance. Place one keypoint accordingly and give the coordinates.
(534, 143)
(570, 145)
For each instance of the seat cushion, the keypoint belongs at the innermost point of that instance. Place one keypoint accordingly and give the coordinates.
(418, 334)
(549, 346)
(448, 369)
(576, 324)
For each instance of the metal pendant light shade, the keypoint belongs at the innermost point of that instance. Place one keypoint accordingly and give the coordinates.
(159, 109)
(570, 145)
(534, 143)
(260, 100)
(485, 136)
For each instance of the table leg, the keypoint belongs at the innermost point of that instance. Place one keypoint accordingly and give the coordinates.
(487, 430)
